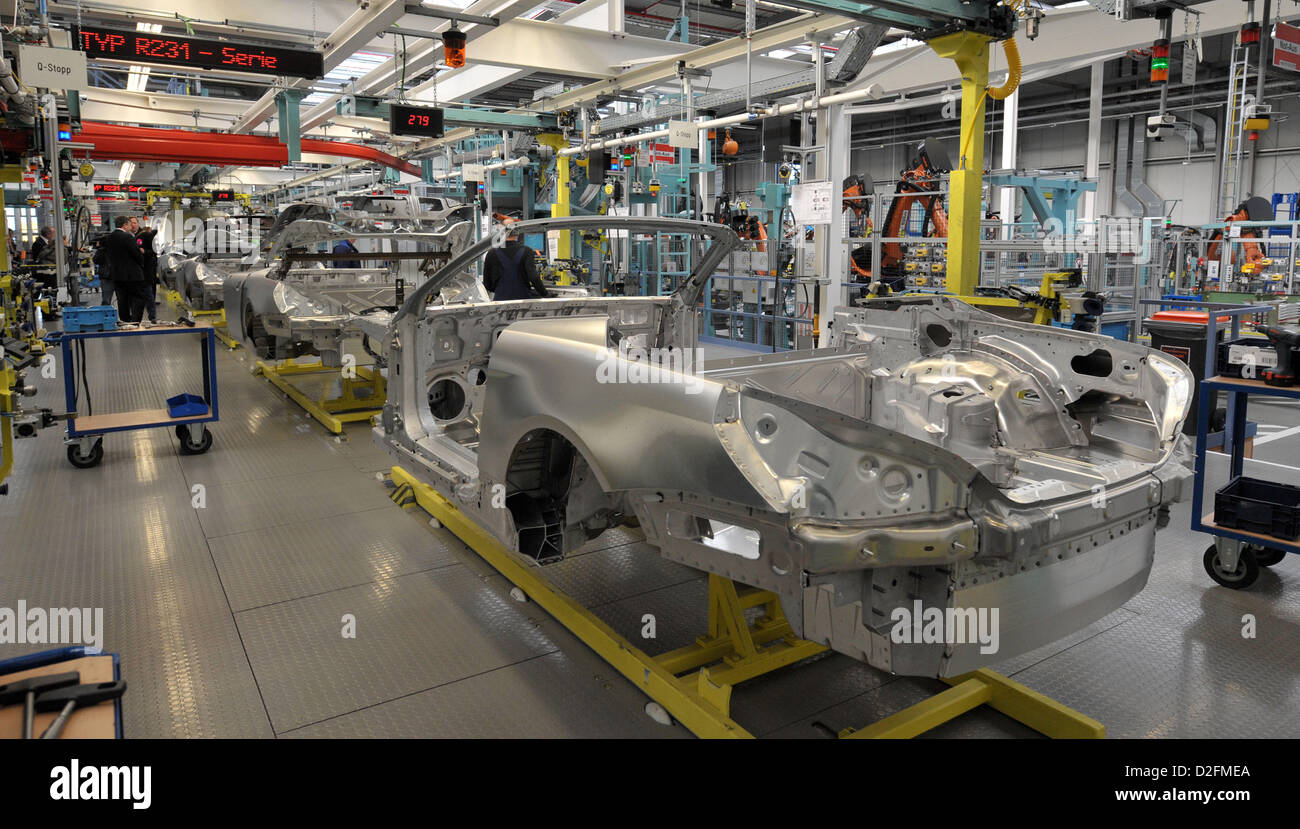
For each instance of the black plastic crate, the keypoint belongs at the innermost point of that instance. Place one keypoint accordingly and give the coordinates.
(1223, 368)
(1259, 507)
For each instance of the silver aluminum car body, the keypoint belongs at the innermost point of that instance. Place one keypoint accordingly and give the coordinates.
(201, 279)
(932, 454)
(296, 308)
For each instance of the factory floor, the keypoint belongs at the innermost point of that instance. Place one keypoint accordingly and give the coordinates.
(229, 616)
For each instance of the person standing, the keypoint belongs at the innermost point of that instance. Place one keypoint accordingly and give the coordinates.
(100, 260)
(345, 247)
(127, 265)
(510, 272)
(150, 256)
(42, 251)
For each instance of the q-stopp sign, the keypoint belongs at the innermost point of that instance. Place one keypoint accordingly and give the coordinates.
(198, 53)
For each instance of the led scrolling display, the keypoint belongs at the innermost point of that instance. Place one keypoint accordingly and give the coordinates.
(148, 47)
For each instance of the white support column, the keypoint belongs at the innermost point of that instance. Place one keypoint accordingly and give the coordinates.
(616, 17)
(1010, 149)
(833, 258)
(1092, 162)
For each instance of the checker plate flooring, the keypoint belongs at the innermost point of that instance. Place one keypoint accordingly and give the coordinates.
(294, 599)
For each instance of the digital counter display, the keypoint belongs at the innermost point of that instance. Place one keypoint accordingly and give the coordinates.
(425, 122)
(134, 191)
(149, 47)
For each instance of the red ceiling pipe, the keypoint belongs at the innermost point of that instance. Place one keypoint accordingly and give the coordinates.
(125, 143)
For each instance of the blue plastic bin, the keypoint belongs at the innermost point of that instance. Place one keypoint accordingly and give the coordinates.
(94, 318)
(186, 405)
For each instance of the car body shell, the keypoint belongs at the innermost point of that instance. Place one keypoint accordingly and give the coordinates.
(932, 454)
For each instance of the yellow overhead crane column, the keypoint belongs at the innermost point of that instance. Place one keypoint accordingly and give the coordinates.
(560, 207)
(970, 51)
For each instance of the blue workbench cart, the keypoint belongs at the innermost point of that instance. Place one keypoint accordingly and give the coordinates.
(1236, 555)
(86, 432)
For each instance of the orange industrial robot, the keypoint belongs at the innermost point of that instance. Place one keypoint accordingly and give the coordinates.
(919, 184)
(1254, 209)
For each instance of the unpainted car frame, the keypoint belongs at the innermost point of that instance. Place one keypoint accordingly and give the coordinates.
(932, 454)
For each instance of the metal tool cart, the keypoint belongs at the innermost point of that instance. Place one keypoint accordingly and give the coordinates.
(1255, 523)
(186, 413)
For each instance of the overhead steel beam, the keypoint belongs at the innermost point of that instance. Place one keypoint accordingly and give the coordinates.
(1066, 37)
(567, 50)
(795, 30)
(251, 19)
(162, 109)
(417, 60)
(450, 14)
(924, 18)
(848, 62)
(398, 30)
(455, 116)
(355, 32)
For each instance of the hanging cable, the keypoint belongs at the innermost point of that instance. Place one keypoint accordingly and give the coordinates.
(1013, 71)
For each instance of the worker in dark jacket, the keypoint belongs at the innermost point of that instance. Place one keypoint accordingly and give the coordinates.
(42, 251)
(126, 263)
(510, 272)
(145, 238)
(346, 248)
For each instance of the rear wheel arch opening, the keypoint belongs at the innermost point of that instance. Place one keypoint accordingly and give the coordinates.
(554, 496)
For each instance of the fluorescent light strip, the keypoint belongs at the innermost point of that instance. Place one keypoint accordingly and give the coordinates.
(125, 172)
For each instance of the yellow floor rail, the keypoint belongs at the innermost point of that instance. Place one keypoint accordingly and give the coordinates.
(334, 396)
(694, 683)
(217, 318)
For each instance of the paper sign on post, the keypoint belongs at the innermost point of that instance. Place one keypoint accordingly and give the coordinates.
(681, 134)
(813, 202)
(49, 68)
(472, 172)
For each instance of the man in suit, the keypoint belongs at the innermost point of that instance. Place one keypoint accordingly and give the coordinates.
(126, 263)
(42, 251)
(146, 238)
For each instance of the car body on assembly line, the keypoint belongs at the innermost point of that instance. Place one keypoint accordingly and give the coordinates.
(931, 456)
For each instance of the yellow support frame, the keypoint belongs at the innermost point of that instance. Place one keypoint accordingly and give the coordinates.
(694, 683)
(560, 207)
(970, 51)
(218, 317)
(984, 687)
(362, 396)
(8, 407)
(176, 195)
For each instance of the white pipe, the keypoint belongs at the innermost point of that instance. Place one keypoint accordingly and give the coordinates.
(807, 104)
(502, 165)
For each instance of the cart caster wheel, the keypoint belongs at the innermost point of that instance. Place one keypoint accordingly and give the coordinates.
(1267, 556)
(1245, 574)
(188, 446)
(77, 459)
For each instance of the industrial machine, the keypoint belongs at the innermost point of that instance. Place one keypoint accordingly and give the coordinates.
(1252, 258)
(919, 184)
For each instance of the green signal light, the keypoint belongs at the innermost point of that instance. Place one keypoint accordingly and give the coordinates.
(1160, 63)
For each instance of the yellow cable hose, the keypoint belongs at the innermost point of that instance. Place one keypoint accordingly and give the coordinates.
(997, 93)
(1013, 71)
